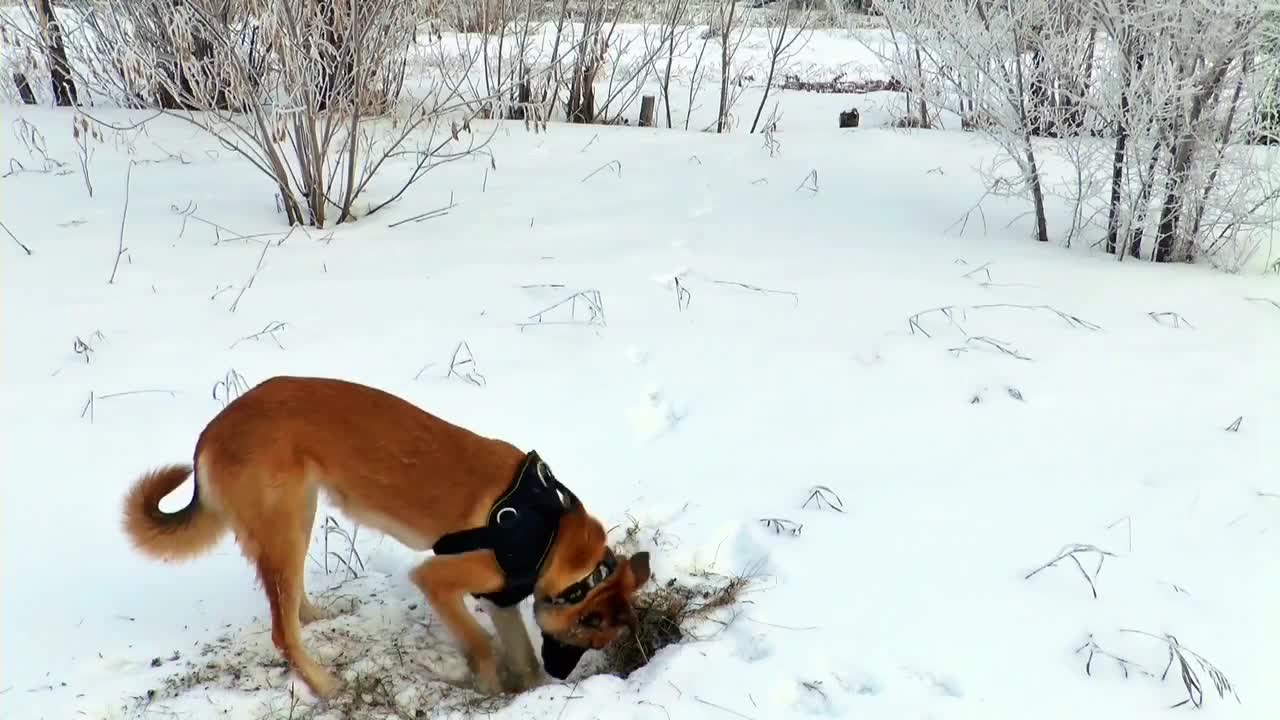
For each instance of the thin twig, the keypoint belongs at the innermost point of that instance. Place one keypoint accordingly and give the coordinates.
(428, 215)
(821, 495)
(1190, 680)
(590, 298)
(1170, 319)
(723, 708)
(795, 297)
(614, 164)
(1069, 551)
(472, 375)
(270, 330)
(170, 393)
(266, 245)
(951, 311)
(1000, 345)
(15, 238)
(806, 184)
(123, 216)
(1269, 301)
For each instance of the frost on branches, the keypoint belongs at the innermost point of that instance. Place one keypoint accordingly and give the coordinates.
(1157, 106)
(312, 94)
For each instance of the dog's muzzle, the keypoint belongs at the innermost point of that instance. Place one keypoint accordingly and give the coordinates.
(559, 658)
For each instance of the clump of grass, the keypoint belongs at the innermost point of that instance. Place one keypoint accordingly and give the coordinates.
(664, 616)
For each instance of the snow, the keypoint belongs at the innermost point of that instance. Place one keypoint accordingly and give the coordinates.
(782, 361)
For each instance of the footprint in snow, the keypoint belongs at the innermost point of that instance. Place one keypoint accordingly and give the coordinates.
(655, 415)
(753, 647)
(938, 684)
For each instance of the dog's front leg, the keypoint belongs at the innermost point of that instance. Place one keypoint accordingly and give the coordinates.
(446, 581)
(517, 650)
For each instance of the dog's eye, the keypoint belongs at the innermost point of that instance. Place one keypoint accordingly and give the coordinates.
(591, 620)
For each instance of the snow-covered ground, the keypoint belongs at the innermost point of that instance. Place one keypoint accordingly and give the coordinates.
(781, 332)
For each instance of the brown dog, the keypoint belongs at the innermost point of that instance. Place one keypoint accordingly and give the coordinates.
(502, 527)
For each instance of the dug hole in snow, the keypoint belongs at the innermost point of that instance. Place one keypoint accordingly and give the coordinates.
(939, 474)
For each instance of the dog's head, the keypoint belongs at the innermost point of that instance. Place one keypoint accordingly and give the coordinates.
(583, 599)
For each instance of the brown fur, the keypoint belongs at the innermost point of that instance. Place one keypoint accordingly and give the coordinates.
(259, 467)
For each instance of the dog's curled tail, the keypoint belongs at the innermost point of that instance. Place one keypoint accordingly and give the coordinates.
(169, 536)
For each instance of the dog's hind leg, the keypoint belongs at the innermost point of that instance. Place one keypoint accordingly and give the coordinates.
(308, 612)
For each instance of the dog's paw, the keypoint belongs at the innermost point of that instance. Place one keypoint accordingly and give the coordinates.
(309, 613)
(518, 680)
(324, 685)
(485, 677)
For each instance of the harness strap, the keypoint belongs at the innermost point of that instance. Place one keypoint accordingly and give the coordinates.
(520, 529)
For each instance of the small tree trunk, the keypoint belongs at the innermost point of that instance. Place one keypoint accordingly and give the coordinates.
(64, 87)
(1075, 106)
(24, 89)
(647, 105)
(1037, 193)
(1137, 225)
(1038, 112)
(1184, 150)
(666, 75)
(725, 57)
(924, 105)
(774, 52)
(1118, 159)
(1224, 141)
(1033, 168)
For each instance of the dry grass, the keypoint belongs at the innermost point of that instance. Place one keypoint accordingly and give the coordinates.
(394, 660)
(666, 616)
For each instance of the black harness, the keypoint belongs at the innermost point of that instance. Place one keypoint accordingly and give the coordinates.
(521, 528)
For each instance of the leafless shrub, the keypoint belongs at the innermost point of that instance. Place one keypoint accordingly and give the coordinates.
(672, 29)
(37, 149)
(730, 24)
(969, 57)
(308, 93)
(1171, 86)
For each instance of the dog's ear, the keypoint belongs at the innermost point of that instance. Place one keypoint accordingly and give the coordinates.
(640, 567)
